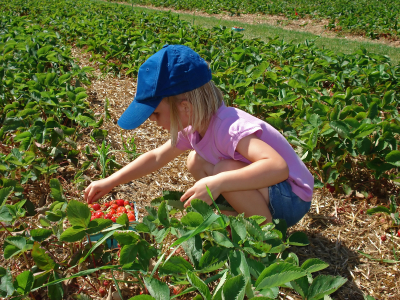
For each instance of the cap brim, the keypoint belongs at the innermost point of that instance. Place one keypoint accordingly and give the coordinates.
(137, 113)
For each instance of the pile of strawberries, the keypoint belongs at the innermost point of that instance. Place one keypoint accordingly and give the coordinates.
(112, 210)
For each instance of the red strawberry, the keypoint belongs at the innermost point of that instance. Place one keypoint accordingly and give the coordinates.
(120, 202)
(114, 219)
(176, 290)
(398, 233)
(383, 237)
(102, 291)
(99, 214)
(106, 283)
(126, 202)
(131, 217)
(96, 206)
(330, 188)
(121, 209)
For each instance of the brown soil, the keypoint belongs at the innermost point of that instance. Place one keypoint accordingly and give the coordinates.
(314, 26)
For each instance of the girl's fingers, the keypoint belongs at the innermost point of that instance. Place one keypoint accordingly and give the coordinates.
(186, 195)
(93, 195)
(187, 203)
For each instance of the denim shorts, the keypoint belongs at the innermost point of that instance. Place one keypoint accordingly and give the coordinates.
(284, 204)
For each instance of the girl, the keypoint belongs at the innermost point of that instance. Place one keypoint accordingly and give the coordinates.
(233, 153)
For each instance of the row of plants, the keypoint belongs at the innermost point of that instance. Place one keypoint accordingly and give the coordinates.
(339, 111)
(43, 108)
(373, 19)
(224, 257)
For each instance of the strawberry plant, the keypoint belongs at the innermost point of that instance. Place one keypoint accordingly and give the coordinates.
(350, 16)
(252, 260)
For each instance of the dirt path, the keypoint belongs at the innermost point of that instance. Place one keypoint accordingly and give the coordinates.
(313, 26)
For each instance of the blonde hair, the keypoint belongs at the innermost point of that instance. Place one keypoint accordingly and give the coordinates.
(205, 101)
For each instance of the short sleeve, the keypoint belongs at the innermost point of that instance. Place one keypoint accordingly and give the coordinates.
(183, 142)
(231, 131)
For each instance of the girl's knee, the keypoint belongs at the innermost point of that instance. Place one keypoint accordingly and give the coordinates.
(228, 165)
(198, 166)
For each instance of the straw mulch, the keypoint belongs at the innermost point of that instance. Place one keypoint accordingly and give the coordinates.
(337, 226)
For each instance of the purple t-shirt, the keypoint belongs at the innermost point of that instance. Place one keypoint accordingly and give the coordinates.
(228, 126)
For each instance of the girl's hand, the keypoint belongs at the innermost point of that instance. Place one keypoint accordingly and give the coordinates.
(199, 191)
(98, 189)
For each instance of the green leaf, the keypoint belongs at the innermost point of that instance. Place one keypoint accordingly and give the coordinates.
(211, 219)
(238, 227)
(123, 220)
(301, 286)
(234, 288)
(56, 190)
(324, 285)
(278, 274)
(373, 110)
(10, 251)
(341, 128)
(6, 284)
(81, 95)
(364, 130)
(64, 78)
(24, 282)
(222, 239)
(4, 193)
(176, 204)
(128, 254)
(17, 241)
(298, 239)
(213, 255)
(163, 215)
(126, 237)
(159, 290)
(5, 215)
(315, 77)
(378, 209)
(44, 50)
(50, 78)
(192, 219)
(98, 243)
(392, 158)
(238, 265)
(201, 207)
(73, 234)
(41, 259)
(56, 291)
(40, 234)
(194, 249)
(199, 285)
(175, 265)
(142, 297)
(313, 265)
(98, 225)
(78, 214)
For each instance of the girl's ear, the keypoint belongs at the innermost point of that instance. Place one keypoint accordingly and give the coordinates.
(185, 107)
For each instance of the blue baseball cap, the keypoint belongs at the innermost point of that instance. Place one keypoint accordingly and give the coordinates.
(173, 70)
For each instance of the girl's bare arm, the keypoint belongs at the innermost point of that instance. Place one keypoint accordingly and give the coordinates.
(267, 168)
(143, 165)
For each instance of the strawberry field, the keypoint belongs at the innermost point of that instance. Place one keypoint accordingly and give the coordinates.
(340, 112)
(373, 19)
